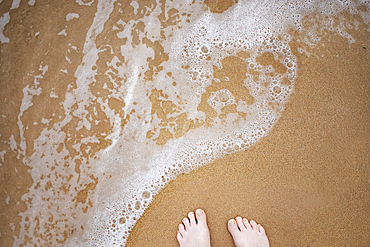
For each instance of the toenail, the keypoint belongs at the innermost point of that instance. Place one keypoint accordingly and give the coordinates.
(199, 212)
(231, 222)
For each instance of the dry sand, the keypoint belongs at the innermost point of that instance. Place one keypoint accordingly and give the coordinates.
(307, 182)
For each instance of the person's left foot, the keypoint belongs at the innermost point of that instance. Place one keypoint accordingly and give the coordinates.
(193, 232)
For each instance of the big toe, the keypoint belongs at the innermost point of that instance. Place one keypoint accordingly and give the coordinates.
(233, 227)
(201, 216)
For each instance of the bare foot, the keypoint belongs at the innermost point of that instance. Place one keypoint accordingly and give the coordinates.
(247, 234)
(193, 232)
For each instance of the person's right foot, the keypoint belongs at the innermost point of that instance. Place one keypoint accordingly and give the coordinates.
(247, 234)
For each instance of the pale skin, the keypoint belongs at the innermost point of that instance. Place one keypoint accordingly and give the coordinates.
(193, 232)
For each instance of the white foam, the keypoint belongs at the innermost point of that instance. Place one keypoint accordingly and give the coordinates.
(4, 19)
(81, 2)
(2, 153)
(71, 16)
(15, 4)
(31, 2)
(63, 32)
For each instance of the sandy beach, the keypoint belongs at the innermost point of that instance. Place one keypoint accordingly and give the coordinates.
(306, 182)
(95, 121)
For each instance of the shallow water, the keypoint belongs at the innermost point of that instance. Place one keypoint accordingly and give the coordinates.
(105, 102)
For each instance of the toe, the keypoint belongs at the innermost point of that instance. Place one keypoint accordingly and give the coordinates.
(201, 216)
(181, 229)
(262, 230)
(179, 236)
(186, 223)
(254, 225)
(191, 218)
(246, 224)
(233, 227)
(241, 226)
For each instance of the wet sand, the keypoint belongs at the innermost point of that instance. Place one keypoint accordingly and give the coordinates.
(307, 182)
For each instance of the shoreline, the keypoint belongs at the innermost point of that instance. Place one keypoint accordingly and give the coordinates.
(77, 127)
(307, 181)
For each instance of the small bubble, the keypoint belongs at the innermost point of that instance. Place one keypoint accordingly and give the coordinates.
(146, 194)
(223, 97)
(122, 220)
(204, 49)
(137, 205)
(276, 89)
